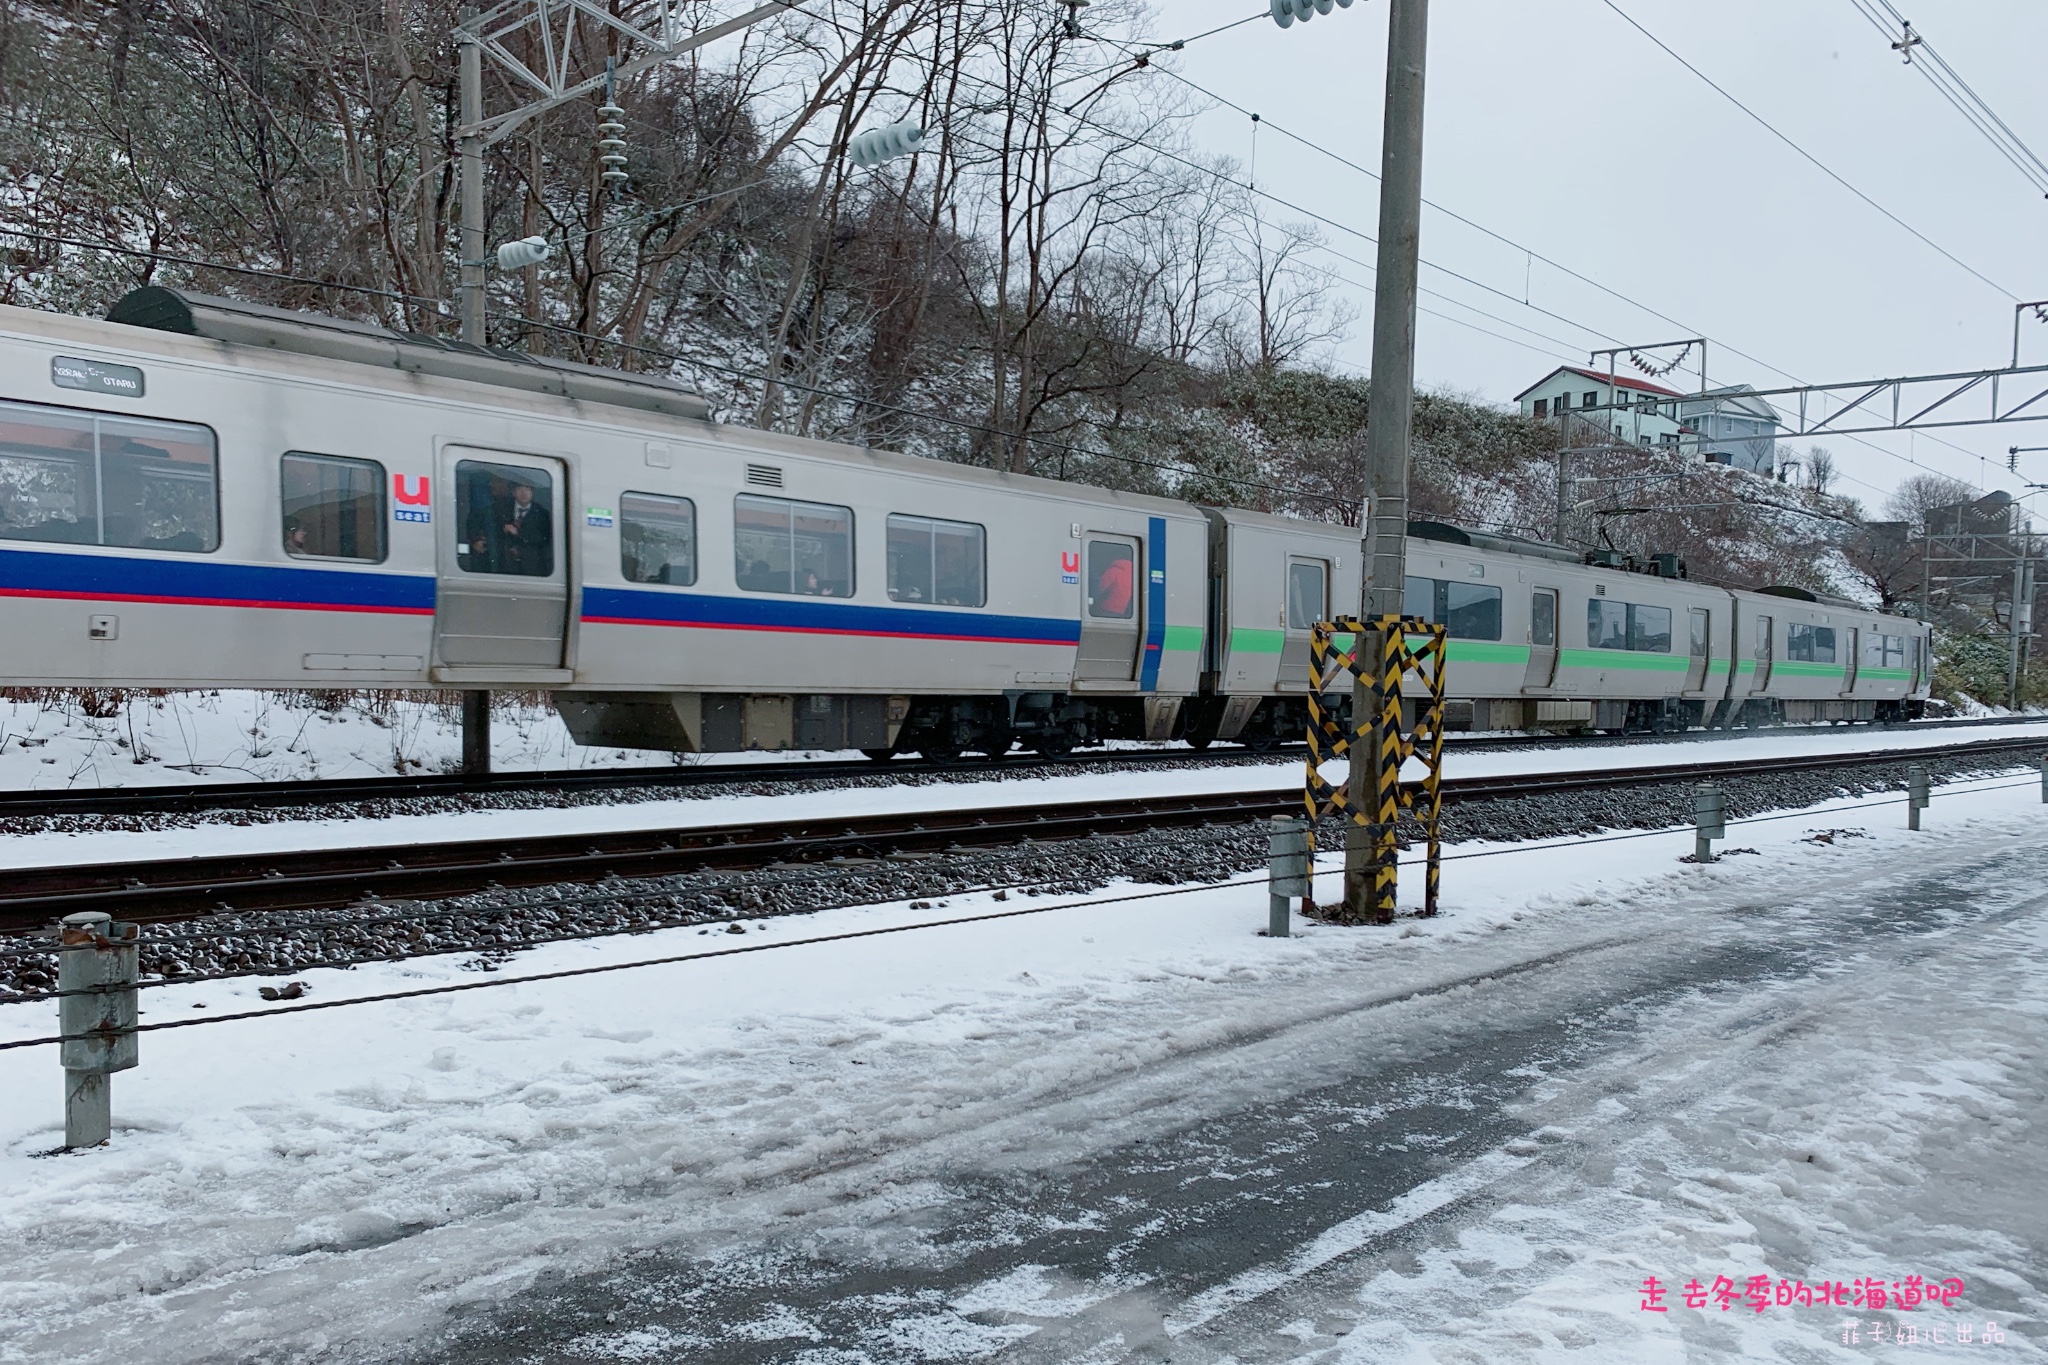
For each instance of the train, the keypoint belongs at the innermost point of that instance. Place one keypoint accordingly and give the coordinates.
(199, 492)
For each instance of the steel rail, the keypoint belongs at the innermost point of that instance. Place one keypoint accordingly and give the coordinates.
(182, 888)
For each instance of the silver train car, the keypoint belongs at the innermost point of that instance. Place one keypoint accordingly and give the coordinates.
(1541, 638)
(199, 492)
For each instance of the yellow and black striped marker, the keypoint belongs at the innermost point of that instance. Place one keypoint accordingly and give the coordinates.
(1403, 646)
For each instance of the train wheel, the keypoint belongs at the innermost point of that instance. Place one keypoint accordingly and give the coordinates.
(879, 755)
(1260, 744)
(1200, 742)
(1054, 744)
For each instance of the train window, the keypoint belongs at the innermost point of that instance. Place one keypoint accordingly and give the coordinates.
(936, 561)
(74, 478)
(1543, 620)
(657, 539)
(1112, 580)
(1913, 657)
(804, 548)
(1471, 612)
(333, 507)
(1700, 632)
(506, 513)
(1649, 629)
(1883, 651)
(1628, 625)
(1606, 624)
(1810, 644)
(1763, 638)
(1308, 592)
(1467, 610)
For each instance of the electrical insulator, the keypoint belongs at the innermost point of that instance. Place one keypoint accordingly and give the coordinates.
(877, 145)
(611, 148)
(524, 252)
(1285, 12)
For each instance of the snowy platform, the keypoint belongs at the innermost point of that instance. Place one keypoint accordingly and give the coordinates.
(1845, 1081)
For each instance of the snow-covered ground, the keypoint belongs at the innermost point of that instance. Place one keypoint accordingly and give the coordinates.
(344, 1184)
(52, 739)
(713, 806)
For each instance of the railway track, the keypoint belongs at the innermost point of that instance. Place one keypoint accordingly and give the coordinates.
(169, 889)
(215, 796)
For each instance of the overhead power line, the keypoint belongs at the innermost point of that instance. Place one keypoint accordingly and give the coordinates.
(1820, 165)
(1921, 56)
(1499, 237)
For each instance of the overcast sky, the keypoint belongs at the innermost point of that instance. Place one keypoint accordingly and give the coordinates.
(1557, 125)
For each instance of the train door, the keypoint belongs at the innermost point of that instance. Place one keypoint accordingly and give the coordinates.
(1308, 601)
(1850, 662)
(1542, 670)
(1112, 615)
(503, 595)
(1760, 680)
(1696, 670)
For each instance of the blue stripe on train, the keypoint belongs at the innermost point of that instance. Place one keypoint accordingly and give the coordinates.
(201, 582)
(1155, 604)
(636, 607)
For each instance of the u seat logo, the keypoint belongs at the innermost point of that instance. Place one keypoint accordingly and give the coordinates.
(415, 498)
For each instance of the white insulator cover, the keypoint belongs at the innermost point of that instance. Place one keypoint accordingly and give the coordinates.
(526, 251)
(876, 145)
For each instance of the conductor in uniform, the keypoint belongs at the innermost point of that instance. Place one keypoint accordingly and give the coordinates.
(526, 537)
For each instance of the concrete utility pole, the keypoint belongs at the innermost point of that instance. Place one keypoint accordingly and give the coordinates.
(471, 145)
(476, 706)
(1390, 425)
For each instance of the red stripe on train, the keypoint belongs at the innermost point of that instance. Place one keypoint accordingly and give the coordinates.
(829, 630)
(211, 602)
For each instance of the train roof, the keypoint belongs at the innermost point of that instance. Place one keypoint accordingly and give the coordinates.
(1445, 533)
(386, 359)
(365, 343)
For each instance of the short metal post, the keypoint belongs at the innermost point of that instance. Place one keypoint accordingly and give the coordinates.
(2044, 781)
(1288, 872)
(97, 1014)
(476, 732)
(1710, 821)
(1916, 795)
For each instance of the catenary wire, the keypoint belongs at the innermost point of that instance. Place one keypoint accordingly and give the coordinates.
(1065, 448)
(1547, 260)
(1219, 175)
(1950, 84)
(1822, 166)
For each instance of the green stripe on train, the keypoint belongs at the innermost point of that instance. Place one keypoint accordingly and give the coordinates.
(1245, 640)
(1183, 637)
(1484, 652)
(1624, 658)
(1787, 668)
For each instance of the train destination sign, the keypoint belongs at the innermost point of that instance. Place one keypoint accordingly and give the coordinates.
(69, 372)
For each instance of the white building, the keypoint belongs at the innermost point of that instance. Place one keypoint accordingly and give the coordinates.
(1634, 410)
(1731, 426)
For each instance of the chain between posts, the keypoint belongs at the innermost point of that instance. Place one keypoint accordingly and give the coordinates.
(1405, 646)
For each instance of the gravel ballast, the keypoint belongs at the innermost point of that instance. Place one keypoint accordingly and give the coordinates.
(491, 926)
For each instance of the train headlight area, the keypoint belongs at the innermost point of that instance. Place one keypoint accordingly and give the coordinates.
(199, 492)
